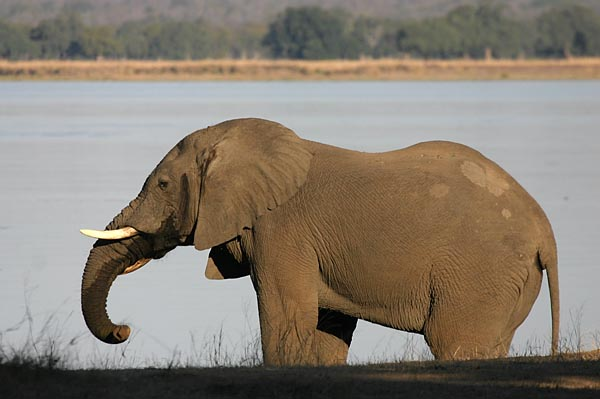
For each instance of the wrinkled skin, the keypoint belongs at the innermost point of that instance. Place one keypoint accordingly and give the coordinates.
(433, 239)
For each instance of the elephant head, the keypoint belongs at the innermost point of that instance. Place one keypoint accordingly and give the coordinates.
(210, 187)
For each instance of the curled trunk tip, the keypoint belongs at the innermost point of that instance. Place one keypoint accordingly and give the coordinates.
(118, 335)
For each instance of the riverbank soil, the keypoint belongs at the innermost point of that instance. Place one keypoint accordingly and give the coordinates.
(527, 377)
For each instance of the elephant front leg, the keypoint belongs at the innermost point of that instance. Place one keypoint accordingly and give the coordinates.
(288, 330)
(294, 331)
(298, 333)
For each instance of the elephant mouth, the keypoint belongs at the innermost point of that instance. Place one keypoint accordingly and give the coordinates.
(117, 235)
(144, 261)
(137, 265)
(129, 232)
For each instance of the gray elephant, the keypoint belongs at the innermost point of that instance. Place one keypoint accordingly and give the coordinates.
(433, 239)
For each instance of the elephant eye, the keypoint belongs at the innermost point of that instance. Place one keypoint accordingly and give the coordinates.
(163, 184)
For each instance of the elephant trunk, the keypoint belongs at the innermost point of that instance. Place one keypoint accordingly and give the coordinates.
(101, 269)
(106, 261)
(119, 221)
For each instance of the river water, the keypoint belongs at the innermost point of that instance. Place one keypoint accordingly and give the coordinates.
(73, 154)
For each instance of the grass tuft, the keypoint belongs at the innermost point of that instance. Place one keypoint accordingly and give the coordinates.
(47, 348)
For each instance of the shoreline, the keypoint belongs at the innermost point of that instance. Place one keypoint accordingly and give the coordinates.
(301, 70)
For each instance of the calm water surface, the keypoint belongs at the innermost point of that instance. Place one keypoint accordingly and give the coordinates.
(73, 154)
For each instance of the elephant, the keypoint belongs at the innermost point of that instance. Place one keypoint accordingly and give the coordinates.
(433, 239)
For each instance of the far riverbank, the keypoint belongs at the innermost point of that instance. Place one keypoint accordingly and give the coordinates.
(264, 70)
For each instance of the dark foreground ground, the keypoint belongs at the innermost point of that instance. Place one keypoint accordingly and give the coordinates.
(532, 377)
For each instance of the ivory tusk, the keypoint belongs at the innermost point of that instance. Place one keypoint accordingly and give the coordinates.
(136, 265)
(119, 234)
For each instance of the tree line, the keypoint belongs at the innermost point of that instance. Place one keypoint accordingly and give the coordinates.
(485, 30)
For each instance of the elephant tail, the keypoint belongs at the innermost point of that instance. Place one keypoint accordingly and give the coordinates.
(548, 260)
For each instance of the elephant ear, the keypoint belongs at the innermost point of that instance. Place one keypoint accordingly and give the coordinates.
(250, 168)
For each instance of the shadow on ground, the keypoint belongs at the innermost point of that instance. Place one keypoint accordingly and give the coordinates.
(506, 378)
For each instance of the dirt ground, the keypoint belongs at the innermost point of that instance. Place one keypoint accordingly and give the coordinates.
(529, 377)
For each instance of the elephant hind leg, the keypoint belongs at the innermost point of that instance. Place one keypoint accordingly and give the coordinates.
(478, 317)
(474, 327)
(524, 303)
(474, 342)
(333, 336)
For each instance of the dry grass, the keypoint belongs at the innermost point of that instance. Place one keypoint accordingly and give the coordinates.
(46, 346)
(385, 69)
(42, 368)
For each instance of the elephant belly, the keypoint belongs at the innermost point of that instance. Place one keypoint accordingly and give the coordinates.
(400, 303)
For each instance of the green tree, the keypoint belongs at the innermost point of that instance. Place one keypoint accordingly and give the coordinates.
(15, 42)
(486, 27)
(368, 34)
(432, 38)
(311, 33)
(568, 31)
(100, 42)
(465, 31)
(246, 40)
(59, 37)
(135, 36)
(190, 40)
(156, 38)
